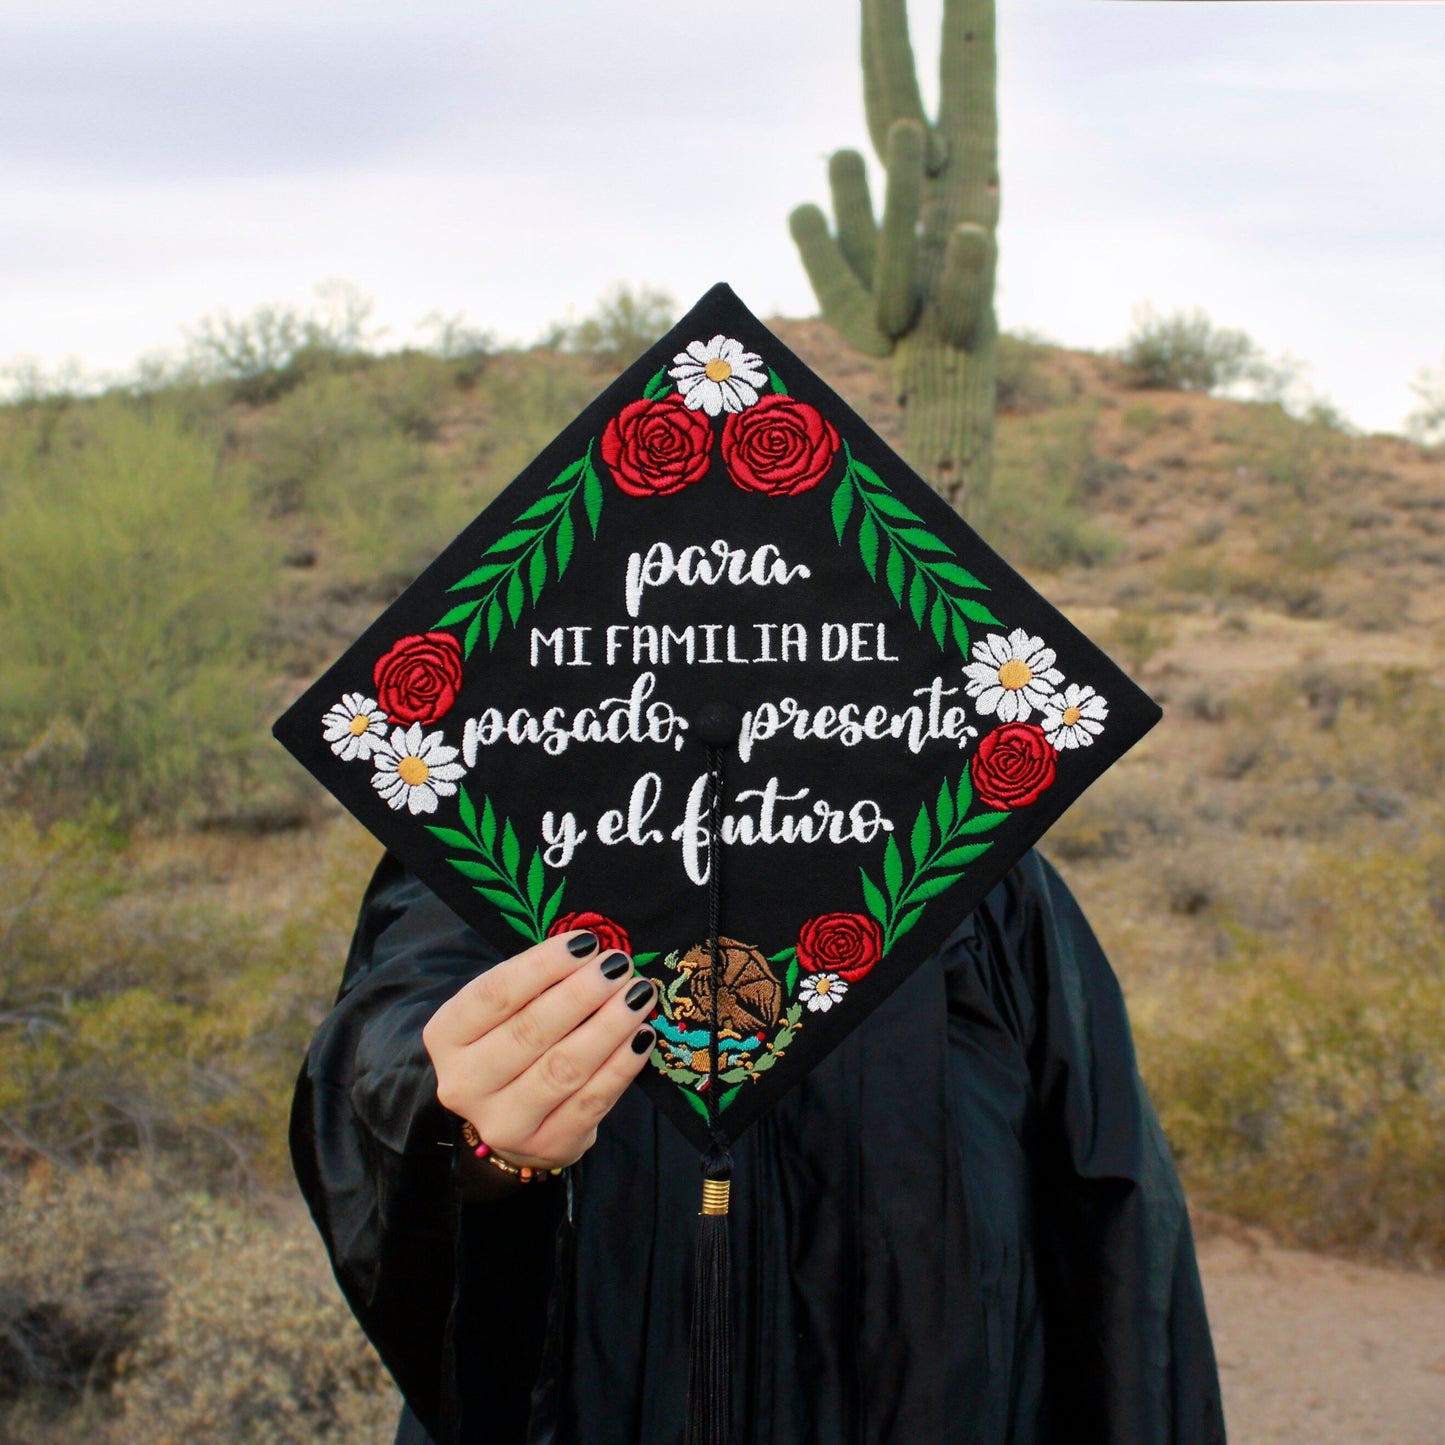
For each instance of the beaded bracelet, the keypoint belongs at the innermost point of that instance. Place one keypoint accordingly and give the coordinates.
(524, 1172)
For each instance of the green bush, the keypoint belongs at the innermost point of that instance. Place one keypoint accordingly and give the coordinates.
(624, 324)
(133, 587)
(1302, 1085)
(1185, 351)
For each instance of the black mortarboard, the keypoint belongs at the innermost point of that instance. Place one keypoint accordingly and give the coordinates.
(720, 677)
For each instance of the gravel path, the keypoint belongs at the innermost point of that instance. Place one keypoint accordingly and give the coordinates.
(1317, 1351)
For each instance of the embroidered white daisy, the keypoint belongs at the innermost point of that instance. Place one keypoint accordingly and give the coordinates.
(1011, 676)
(1075, 717)
(718, 375)
(820, 991)
(355, 727)
(416, 770)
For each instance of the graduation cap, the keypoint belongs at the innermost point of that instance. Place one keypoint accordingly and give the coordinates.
(719, 677)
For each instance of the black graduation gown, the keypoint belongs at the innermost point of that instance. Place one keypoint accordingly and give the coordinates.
(963, 1227)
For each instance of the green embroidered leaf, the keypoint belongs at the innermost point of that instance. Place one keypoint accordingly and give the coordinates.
(965, 792)
(522, 925)
(514, 596)
(890, 506)
(982, 822)
(537, 573)
(469, 868)
(906, 923)
(536, 879)
(922, 839)
(466, 809)
(944, 809)
(924, 541)
(462, 609)
(790, 979)
(554, 906)
(480, 575)
(959, 576)
(566, 536)
(938, 620)
(868, 544)
(777, 381)
(870, 476)
(960, 634)
(494, 622)
(642, 960)
(696, 1103)
(547, 502)
(566, 474)
(504, 900)
(932, 887)
(488, 829)
(660, 382)
(873, 898)
(958, 857)
(511, 849)
(917, 596)
(592, 493)
(842, 507)
(474, 631)
(510, 541)
(452, 838)
(892, 868)
(893, 573)
(976, 611)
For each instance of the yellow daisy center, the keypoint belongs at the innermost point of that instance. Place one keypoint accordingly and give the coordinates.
(1015, 674)
(413, 772)
(717, 370)
(360, 723)
(1071, 716)
(823, 984)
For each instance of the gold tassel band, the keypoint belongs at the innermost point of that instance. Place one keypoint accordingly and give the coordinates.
(715, 1195)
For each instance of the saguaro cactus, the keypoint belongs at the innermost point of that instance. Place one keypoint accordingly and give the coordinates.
(917, 285)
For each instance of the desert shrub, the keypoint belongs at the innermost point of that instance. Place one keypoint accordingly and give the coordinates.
(1033, 511)
(1302, 1083)
(131, 1311)
(140, 1019)
(132, 591)
(1022, 385)
(255, 1346)
(1426, 423)
(1185, 351)
(624, 323)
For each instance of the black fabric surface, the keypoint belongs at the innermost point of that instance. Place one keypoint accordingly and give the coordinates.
(963, 1226)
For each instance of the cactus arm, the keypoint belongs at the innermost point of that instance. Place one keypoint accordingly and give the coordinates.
(887, 46)
(853, 213)
(967, 109)
(965, 283)
(840, 293)
(895, 273)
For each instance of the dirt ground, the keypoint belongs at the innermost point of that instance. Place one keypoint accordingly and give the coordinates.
(1318, 1351)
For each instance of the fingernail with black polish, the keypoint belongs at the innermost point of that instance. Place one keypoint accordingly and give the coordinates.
(642, 1041)
(640, 994)
(615, 965)
(581, 944)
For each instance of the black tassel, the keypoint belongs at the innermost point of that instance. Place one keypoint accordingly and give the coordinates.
(709, 1384)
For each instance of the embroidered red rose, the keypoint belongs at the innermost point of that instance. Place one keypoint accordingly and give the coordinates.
(655, 448)
(780, 446)
(417, 680)
(1013, 765)
(848, 944)
(609, 934)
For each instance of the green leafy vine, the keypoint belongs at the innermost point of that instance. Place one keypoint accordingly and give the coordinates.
(917, 564)
(939, 859)
(496, 872)
(522, 551)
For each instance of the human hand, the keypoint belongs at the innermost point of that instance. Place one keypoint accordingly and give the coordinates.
(538, 1049)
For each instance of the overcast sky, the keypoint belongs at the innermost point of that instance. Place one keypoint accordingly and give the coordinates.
(1280, 165)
